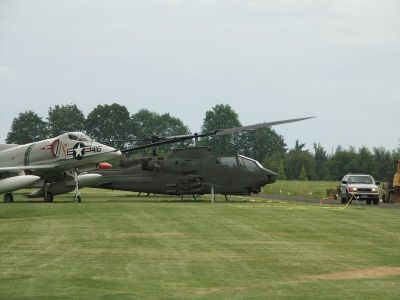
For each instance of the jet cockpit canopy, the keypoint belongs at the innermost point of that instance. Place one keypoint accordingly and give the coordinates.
(76, 136)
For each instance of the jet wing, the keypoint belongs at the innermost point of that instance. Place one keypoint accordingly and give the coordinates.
(28, 168)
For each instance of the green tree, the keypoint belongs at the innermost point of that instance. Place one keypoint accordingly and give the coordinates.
(384, 164)
(320, 158)
(303, 174)
(380, 163)
(261, 143)
(143, 124)
(65, 118)
(26, 128)
(362, 162)
(296, 159)
(221, 116)
(110, 122)
(273, 161)
(147, 124)
(170, 126)
(281, 171)
(299, 146)
(339, 163)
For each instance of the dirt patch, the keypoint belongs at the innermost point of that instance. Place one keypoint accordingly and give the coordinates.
(377, 272)
(217, 290)
(149, 234)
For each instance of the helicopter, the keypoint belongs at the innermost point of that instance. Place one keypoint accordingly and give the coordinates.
(190, 171)
(193, 170)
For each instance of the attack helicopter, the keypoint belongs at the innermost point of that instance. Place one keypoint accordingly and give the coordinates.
(193, 170)
(190, 171)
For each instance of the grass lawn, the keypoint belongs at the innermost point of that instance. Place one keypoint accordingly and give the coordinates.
(118, 246)
(312, 189)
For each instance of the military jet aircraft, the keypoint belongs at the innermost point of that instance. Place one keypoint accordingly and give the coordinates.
(60, 163)
(193, 170)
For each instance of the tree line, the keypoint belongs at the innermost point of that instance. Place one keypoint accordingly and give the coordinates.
(302, 164)
(115, 123)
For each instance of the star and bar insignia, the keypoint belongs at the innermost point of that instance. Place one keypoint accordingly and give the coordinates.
(78, 151)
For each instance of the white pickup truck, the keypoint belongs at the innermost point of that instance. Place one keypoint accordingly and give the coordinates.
(360, 187)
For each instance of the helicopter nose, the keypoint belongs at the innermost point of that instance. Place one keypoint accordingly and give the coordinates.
(268, 177)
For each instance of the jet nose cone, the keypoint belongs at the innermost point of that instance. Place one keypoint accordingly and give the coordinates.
(111, 152)
(115, 153)
(118, 153)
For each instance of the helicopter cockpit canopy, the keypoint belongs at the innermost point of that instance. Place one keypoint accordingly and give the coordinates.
(229, 162)
(249, 164)
(240, 161)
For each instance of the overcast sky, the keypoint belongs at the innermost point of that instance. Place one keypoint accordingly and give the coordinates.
(270, 60)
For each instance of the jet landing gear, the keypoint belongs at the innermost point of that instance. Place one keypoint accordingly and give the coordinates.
(77, 198)
(48, 197)
(8, 198)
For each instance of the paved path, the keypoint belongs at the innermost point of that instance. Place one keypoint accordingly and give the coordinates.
(316, 201)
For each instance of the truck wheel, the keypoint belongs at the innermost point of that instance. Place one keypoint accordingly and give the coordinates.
(376, 201)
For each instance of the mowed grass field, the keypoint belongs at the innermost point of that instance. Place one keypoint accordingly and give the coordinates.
(312, 189)
(116, 245)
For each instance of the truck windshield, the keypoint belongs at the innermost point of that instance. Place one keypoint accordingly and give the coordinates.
(361, 179)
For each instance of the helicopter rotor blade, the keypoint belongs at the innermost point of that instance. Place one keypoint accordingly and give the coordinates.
(163, 141)
(181, 138)
(257, 126)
